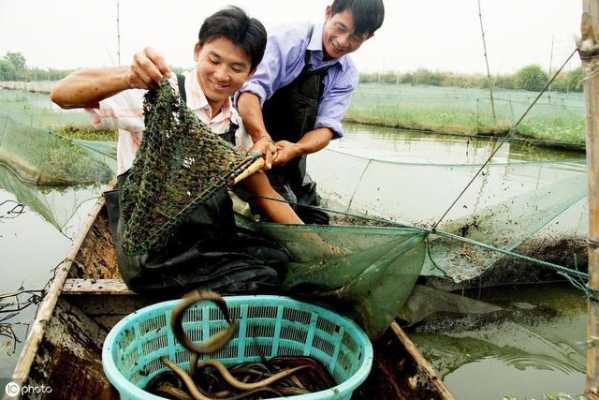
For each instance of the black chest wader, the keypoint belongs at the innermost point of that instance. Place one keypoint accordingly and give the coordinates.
(207, 250)
(288, 115)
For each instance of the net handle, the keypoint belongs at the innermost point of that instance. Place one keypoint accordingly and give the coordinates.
(253, 168)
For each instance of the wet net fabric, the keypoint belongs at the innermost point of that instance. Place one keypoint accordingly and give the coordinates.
(369, 270)
(536, 207)
(37, 156)
(179, 164)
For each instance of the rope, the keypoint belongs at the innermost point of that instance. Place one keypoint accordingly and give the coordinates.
(560, 269)
(504, 139)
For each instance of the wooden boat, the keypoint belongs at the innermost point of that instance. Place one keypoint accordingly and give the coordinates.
(87, 298)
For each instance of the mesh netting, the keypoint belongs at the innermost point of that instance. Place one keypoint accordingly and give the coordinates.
(37, 156)
(370, 269)
(527, 206)
(32, 150)
(59, 206)
(180, 163)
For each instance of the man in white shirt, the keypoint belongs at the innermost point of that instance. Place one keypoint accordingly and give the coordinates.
(207, 250)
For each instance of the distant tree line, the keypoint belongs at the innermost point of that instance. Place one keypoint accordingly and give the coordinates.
(13, 67)
(531, 77)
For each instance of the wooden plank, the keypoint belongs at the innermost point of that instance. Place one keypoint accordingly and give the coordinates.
(67, 358)
(426, 368)
(44, 313)
(96, 286)
(590, 40)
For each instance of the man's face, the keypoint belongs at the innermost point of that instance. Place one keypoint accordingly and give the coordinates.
(222, 68)
(338, 38)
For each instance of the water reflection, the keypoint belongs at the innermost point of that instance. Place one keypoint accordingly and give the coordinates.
(31, 244)
(536, 346)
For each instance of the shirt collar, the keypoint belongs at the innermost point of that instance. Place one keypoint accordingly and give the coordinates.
(196, 99)
(315, 46)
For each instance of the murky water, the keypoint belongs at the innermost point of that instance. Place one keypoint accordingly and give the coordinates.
(32, 243)
(535, 346)
(518, 357)
(417, 148)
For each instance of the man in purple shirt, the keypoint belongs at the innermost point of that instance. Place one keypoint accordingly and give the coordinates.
(294, 103)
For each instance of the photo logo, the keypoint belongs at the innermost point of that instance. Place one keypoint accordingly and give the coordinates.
(12, 389)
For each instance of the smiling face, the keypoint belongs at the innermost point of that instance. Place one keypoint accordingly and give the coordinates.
(222, 68)
(338, 38)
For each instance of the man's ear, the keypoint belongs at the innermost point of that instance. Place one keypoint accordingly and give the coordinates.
(196, 51)
(328, 13)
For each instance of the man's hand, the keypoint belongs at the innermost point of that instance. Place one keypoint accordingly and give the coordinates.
(267, 149)
(286, 151)
(147, 69)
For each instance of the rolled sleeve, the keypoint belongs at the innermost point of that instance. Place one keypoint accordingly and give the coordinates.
(332, 124)
(256, 88)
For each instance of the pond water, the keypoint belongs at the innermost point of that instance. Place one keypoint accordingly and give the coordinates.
(33, 242)
(536, 346)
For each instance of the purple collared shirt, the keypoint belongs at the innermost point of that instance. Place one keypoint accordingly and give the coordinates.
(284, 60)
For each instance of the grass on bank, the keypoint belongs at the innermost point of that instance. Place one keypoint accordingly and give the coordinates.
(557, 119)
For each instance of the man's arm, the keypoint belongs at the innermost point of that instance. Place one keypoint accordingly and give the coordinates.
(270, 202)
(250, 110)
(312, 141)
(87, 87)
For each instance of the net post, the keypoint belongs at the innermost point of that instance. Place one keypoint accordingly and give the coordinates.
(590, 60)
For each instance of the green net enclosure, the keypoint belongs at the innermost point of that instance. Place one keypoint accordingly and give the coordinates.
(525, 206)
(40, 157)
(30, 144)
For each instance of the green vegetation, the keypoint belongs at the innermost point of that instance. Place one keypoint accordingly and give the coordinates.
(557, 119)
(531, 77)
(85, 133)
(13, 68)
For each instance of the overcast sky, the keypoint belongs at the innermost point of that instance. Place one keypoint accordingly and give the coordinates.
(436, 34)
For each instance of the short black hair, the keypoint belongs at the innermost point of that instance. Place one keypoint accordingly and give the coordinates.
(368, 14)
(234, 24)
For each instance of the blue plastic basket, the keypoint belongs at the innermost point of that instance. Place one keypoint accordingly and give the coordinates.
(268, 326)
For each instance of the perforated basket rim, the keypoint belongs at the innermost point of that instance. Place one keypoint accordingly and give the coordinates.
(343, 389)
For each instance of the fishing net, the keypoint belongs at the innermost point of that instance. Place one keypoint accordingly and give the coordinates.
(61, 207)
(370, 270)
(30, 147)
(180, 163)
(536, 207)
(39, 157)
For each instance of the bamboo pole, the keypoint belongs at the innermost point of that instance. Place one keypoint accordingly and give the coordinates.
(118, 31)
(482, 30)
(590, 58)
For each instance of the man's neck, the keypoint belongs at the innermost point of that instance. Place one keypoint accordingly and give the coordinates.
(215, 107)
